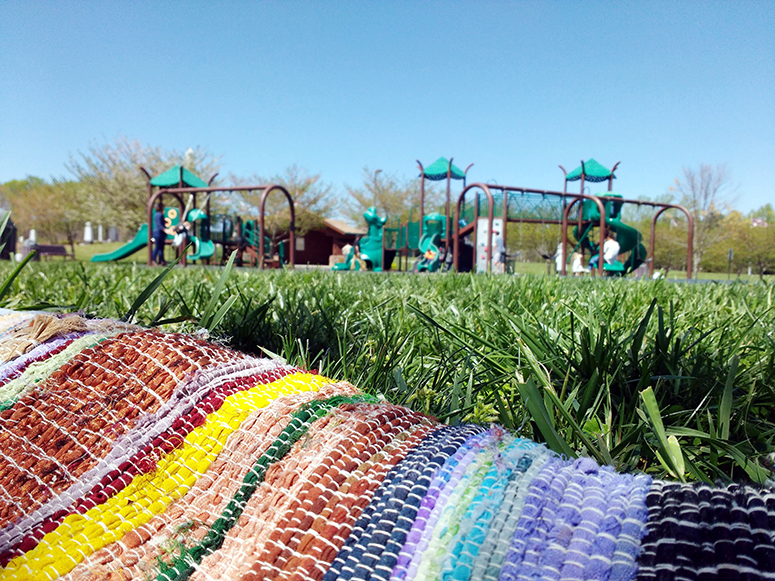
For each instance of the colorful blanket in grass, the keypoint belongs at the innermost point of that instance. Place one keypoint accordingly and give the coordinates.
(133, 454)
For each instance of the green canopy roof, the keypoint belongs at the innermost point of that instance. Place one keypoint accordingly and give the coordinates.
(438, 171)
(171, 179)
(593, 172)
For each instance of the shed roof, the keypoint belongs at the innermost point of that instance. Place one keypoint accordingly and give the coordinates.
(342, 227)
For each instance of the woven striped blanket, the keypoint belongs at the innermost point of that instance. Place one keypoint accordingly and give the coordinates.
(134, 454)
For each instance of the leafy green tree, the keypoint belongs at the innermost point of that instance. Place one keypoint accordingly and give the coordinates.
(758, 240)
(55, 210)
(737, 238)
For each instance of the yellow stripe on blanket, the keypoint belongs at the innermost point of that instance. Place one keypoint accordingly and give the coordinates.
(80, 535)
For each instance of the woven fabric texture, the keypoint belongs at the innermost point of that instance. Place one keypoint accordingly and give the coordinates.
(134, 454)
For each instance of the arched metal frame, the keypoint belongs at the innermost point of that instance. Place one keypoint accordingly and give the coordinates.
(152, 199)
(490, 217)
(292, 228)
(652, 237)
(689, 234)
(652, 234)
(574, 199)
(267, 189)
(491, 211)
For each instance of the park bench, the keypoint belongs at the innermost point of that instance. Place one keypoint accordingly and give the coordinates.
(47, 250)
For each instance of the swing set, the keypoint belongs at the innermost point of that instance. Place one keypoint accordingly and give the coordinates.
(188, 183)
(521, 205)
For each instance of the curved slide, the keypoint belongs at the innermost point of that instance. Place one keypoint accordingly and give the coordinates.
(203, 249)
(430, 253)
(138, 242)
(630, 240)
(349, 263)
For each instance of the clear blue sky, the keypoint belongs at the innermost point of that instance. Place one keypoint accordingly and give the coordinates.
(515, 87)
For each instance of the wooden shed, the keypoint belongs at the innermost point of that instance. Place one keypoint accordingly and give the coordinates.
(316, 246)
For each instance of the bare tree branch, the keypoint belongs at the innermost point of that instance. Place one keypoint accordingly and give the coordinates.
(706, 194)
(390, 195)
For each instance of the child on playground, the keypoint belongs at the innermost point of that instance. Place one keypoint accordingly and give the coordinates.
(610, 251)
(499, 253)
(361, 264)
(577, 263)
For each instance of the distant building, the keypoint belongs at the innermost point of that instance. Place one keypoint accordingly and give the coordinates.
(316, 246)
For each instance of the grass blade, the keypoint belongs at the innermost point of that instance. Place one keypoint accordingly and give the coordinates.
(151, 288)
(725, 407)
(207, 317)
(218, 317)
(531, 396)
(665, 450)
(9, 281)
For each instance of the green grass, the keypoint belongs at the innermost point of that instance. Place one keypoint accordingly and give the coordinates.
(537, 268)
(720, 276)
(84, 252)
(645, 375)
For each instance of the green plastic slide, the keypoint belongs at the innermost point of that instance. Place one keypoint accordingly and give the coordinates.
(430, 251)
(137, 243)
(202, 249)
(430, 255)
(629, 239)
(348, 263)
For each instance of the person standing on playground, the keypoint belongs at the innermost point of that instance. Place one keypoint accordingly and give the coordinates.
(159, 234)
(559, 257)
(499, 253)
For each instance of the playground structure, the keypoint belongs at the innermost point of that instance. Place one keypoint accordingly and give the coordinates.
(473, 224)
(371, 248)
(435, 237)
(426, 234)
(234, 233)
(388, 238)
(439, 170)
(506, 204)
(177, 182)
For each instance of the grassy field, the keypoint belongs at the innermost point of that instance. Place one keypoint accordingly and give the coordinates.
(84, 253)
(673, 379)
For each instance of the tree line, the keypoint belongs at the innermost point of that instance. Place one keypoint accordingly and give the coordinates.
(106, 187)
